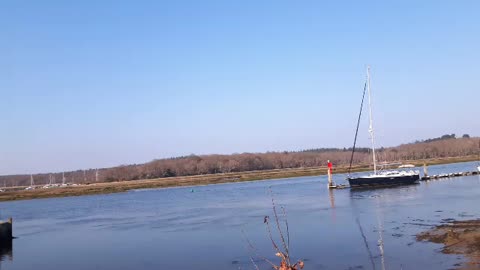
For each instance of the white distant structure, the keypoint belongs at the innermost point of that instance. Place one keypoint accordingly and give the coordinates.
(63, 179)
(406, 166)
(51, 181)
(31, 183)
(96, 175)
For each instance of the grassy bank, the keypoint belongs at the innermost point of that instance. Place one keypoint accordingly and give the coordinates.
(114, 187)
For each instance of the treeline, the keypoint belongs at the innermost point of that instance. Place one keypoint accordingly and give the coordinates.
(212, 164)
(330, 150)
(444, 137)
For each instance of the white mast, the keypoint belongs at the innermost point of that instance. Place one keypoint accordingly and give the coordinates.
(370, 128)
(31, 180)
(63, 178)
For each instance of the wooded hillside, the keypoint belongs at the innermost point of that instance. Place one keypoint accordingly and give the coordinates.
(445, 146)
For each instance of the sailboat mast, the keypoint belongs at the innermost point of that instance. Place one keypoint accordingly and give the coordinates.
(370, 128)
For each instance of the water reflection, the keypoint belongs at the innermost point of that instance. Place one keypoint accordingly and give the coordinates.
(6, 250)
(331, 195)
(389, 194)
(377, 197)
(380, 220)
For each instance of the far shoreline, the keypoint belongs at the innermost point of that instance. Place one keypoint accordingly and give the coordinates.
(198, 180)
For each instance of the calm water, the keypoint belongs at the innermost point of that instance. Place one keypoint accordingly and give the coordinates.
(205, 227)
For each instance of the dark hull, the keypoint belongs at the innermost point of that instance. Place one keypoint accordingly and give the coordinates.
(383, 181)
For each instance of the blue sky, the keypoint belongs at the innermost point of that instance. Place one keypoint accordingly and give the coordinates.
(90, 84)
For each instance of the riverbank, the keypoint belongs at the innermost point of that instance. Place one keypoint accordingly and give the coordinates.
(457, 237)
(12, 194)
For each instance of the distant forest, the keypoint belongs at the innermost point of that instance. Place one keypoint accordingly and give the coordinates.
(441, 147)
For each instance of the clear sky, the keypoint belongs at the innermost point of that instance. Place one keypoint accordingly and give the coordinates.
(88, 84)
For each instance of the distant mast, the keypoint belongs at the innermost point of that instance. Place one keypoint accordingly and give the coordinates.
(31, 180)
(370, 128)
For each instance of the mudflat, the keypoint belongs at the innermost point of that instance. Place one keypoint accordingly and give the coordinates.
(457, 237)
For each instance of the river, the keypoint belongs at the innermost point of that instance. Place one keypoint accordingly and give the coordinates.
(206, 227)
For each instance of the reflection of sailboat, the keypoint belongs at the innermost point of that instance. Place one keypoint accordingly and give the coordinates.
(380, 237)
(378, 212)
(381, 178)
(6, 251)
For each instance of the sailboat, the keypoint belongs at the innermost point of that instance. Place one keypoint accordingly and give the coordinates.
(378, 178)
(64, 184)
(31, 184)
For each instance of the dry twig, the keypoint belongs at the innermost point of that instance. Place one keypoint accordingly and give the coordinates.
(284, 255)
